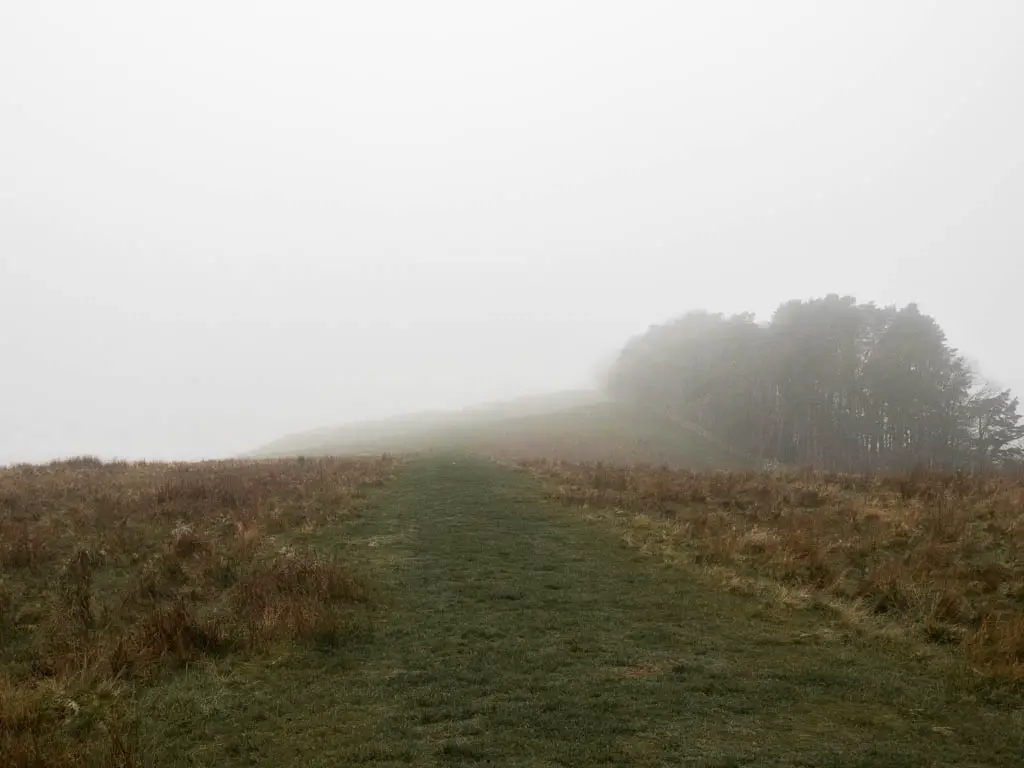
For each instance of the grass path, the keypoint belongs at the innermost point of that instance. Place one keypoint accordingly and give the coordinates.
(511, 633)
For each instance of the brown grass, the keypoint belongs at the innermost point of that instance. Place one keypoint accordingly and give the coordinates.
(112, 575)
(938, 554)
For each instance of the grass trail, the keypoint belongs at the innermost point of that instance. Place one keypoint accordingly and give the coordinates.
(512, 633)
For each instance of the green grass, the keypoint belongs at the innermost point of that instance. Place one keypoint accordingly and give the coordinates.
(509, 632)
(117, 577)
(573, 429)
(424, 425)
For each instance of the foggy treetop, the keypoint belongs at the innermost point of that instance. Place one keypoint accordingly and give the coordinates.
(829, 382)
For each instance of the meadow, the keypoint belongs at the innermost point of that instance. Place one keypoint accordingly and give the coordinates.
(116, 576)
(933, 555)
(446, 609)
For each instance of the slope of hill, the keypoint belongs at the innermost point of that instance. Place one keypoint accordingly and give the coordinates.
(575, 426)
(352, 436)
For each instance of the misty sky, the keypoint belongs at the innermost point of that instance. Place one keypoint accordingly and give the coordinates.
(224, 221)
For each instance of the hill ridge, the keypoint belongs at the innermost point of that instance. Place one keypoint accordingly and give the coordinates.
(575, 425)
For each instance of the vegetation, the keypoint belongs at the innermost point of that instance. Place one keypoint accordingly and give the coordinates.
(829, 383)
(590, 431)
(114, 576)
(937, 553)
(517, 634)
(429, 428)
(275, 613)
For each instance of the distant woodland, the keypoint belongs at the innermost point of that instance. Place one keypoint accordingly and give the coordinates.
(828, 382)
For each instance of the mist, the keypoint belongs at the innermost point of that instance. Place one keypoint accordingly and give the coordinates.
(224, 222)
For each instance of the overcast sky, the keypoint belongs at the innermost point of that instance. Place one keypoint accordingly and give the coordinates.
(225, 221)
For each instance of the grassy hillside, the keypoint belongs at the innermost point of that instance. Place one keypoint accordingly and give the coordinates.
(931, 557)
(355, 435)
(115, 578)
(576, 426)
(440, 612)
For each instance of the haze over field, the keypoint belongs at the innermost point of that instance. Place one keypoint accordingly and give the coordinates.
(222, 223)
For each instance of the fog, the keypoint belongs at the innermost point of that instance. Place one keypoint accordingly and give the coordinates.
(225, 221)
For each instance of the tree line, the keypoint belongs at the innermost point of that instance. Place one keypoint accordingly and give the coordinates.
(828, 382)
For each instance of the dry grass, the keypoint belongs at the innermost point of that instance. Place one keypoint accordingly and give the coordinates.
(112, 575)
(938, 554)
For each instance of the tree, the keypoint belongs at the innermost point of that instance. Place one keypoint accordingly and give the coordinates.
(994, 427)
(828, 382)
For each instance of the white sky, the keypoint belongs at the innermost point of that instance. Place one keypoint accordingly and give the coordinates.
(225, 221)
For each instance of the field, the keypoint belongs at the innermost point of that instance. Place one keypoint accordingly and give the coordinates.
(117, 575)
(450, 610)
(938, 554)
(573, 426)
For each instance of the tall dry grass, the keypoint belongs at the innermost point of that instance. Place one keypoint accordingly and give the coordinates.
(939, 553)
(113, 575)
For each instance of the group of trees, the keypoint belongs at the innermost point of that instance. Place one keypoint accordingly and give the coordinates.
(828, 382)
